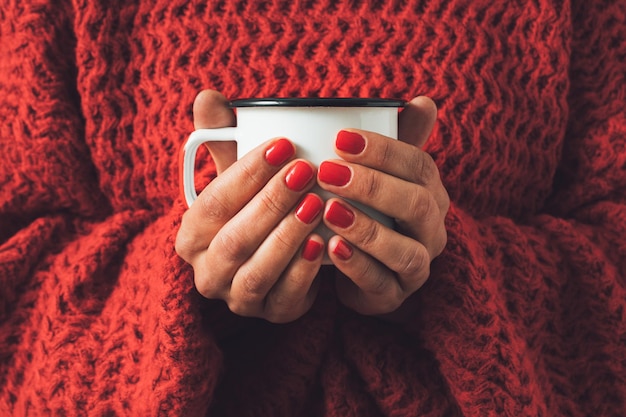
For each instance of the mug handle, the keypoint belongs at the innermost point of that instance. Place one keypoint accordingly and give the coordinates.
(187, 160)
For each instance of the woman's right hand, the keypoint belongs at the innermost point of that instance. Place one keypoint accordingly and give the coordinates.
(249, 235)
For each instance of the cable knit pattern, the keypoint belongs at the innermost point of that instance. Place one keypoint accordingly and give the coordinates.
(523, 314)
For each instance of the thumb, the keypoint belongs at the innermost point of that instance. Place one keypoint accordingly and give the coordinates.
(210, 110)
(416, 121)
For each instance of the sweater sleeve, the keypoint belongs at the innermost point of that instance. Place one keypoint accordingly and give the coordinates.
(46, 175)
(44, 163)
(515, 304)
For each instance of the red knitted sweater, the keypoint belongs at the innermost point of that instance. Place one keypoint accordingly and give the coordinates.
(524, 310)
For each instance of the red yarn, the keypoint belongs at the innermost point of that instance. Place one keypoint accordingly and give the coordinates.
(523, 313)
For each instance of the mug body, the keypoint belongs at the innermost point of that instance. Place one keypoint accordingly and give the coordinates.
(312, 129)
(312, 125)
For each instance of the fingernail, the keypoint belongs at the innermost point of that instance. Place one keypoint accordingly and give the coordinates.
(279, 152)
(334, 174)
(350, 142)
(299, 176)
(312, 250)
(339, 215)
(343, 251)
(309, 208)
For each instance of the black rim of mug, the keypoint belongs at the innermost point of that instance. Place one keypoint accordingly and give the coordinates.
(316, 102)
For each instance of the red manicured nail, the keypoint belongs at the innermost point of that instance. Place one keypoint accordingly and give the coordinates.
(309, 208)
(312, 250)
(350, 142)
(339, 215)
(343, 251)
(279, 152)
(334, 174)
(299, 176)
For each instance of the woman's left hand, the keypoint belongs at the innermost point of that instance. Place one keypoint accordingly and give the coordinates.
(381, 267)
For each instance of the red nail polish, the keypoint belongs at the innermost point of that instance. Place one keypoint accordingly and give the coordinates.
(312, 250)
(299, 176)
(343, 251)
(334, 174)
(339, 215)
(350, 142)
(309, 208)
(279, 152)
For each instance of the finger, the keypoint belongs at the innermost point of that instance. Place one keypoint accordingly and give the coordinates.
(211, 110)
(256, 277)
(295, 291)
(384, 154)
(276, 252)
(242, 235)
(416, 121)
(364, 284)
(405, 256)
(373, 290)
(227, 194)
(421, 211)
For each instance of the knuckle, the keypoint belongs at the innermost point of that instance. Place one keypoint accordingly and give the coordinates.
(230, 247)
(415, 267)
(379, 286)
(423, 167)
(272, 202)
(206, 286)
(371, 184)
(422, 205)
(249, 294)
(184, 245)
(254, 285)
(252, 173)
(275, 318)
(240, 308)
(187, 240)
(279, 314)
(368, 234)
(285, 239)
(214, 205)
(283, 306)
(386, 154)
(279, 308)
(278, 303)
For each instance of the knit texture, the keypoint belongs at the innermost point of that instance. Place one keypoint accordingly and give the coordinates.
(523, 314)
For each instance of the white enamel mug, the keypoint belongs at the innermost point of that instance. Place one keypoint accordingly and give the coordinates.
(310, 123)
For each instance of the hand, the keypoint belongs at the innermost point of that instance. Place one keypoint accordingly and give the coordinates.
(249, 235)
(379, 268)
